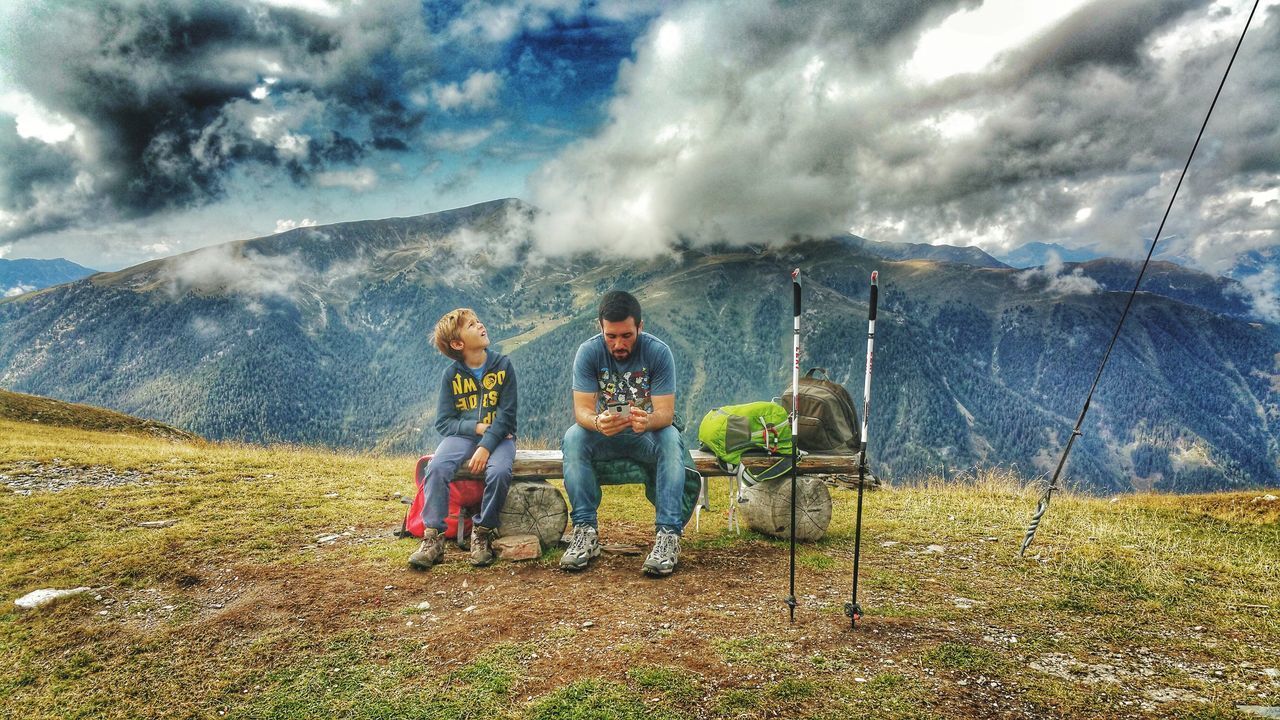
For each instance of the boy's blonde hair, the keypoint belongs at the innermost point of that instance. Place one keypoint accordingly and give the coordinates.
(450, 328)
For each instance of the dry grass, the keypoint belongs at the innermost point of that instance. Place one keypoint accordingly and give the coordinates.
(1145, 606)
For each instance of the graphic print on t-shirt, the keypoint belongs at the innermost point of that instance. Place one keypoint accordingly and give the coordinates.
(631, 387)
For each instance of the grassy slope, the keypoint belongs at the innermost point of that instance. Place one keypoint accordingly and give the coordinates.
(20, 407)
(1142, 606)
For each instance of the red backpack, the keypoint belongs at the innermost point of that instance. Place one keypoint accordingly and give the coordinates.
(464, 501)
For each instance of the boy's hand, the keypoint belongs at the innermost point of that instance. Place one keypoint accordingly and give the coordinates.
(639, 420)
(610, 424)
(478, 460)
(481, 428)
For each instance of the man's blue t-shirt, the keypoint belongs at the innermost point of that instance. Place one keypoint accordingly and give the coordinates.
(649, 371)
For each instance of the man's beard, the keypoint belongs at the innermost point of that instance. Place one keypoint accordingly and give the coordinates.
(620, 354)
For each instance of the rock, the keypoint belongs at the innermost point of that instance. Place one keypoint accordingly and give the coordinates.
(327, 538)
(158, 523)
(44, 596)
(1266, 498)
(331, 496)
(518, 547)
(424, 605)
(1269, 711)
(534, 508)
(934, 549)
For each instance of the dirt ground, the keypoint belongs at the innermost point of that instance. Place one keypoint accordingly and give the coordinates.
(604, 621)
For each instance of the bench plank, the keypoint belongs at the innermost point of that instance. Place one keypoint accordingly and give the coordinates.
(543, 464)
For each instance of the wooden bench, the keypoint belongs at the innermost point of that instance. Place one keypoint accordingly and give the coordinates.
(545, 464)
(533, 505)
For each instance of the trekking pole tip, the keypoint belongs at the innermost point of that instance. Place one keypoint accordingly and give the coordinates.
(854, 611)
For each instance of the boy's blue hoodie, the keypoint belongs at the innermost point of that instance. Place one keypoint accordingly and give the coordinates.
(464, 401)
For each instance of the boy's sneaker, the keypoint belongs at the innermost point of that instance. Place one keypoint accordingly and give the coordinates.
(584, 545)
(665, 555)
(430, 552)
(481, 545)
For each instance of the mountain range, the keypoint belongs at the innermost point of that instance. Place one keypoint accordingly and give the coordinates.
(1037, 254)
(320, 336)
(27, 274)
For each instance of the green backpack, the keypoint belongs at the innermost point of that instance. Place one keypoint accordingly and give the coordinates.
(760, 428)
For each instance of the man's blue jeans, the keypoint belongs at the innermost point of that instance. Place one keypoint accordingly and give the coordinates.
(660, 450)
(450, 454)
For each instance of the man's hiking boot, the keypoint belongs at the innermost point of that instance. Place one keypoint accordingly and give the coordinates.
(430, 552)
(665, 555)
(481, 545)
(584, 545)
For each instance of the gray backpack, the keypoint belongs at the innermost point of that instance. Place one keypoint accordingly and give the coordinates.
(828, 422)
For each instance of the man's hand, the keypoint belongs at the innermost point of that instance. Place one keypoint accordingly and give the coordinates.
(639, 420)
(611, 424)
(481, 428)
(479, 459)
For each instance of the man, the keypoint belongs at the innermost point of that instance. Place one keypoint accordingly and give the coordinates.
(624, 399)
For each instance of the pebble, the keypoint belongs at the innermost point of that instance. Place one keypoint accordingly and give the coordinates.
(331, 495)
(29, 476)
(935, 549)
(157, 523)
(327, 538)
(588, 624)
(469, 608)
(424, 605)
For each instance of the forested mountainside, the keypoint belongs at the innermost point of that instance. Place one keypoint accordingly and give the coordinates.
(319, 335)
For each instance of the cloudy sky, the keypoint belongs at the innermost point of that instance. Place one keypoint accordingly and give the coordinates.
(136, 129)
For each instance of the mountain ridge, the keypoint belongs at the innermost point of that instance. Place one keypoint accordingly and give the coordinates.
(322, 337)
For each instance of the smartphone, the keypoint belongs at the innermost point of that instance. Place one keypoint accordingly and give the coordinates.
(620, 409)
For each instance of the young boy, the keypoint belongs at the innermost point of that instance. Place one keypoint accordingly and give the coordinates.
(476, 415)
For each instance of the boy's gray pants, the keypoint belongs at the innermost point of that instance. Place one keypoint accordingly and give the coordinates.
(451, 454)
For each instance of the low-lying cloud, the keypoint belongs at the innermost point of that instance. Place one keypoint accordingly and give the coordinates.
(236, 270)
(1055, 282)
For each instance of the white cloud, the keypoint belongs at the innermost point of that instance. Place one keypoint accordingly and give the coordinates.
(1263, 292)
(763, 120)
(5, 250)
(229, 268)
(1055, 283)
(35, 121)
(285, 225)
(480, 90)
(360, 179)
(17, 290)
(459, 140)
(971, 39)
(322, 8)
(158, 249)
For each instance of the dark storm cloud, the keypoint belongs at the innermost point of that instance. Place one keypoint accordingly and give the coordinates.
(159, 93)
(1106, 32)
